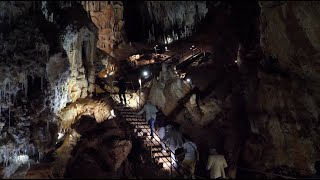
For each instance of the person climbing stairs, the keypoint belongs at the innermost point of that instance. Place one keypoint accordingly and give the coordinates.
(142, 132)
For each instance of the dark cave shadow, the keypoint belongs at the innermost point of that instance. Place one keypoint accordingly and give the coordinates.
(202, 94)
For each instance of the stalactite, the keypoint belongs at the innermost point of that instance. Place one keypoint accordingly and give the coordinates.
(171, 14)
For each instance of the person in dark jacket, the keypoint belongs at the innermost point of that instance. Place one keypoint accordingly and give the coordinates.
(122, 90)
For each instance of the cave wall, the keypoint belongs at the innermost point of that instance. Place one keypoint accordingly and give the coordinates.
(286, 114)
(280, 103)
(40, 74)
(108, 17)
(80, 48)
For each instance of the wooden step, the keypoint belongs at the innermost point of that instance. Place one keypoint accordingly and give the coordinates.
(136, 119)
(167, 166)
(129, 113)
(155, 149)
(131, 116)
(162, 156)
(148, 143)
(159, 154)
(163, 160)
(138, 123)
(142, 135)
(159, 151)
(143, 127)
(142, 130)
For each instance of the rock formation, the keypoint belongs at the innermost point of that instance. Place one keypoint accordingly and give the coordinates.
(286, 113)
(108, 17)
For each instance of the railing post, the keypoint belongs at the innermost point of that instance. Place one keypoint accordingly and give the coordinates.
(151, 150)
(171, 165)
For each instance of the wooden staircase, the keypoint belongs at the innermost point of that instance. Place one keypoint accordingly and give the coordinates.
(142, 132)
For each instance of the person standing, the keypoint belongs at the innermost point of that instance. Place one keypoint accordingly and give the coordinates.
(190, 158)
(122, 90)
(151, 114)
(216, 165)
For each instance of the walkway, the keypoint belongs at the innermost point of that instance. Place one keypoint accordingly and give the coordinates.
(142, 132)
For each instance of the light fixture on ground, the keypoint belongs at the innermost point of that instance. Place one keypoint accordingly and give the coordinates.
(188, 80)
(145, 73)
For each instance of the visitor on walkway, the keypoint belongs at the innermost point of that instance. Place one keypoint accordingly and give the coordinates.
(190, 158)
(216, 165)
(122, 90)
(151, 114)
(174, 140)
(160, 126)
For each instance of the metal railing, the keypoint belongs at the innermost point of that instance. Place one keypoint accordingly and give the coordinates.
(180, 167)
(184, 170)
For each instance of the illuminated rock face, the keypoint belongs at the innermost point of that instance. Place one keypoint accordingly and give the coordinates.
(170, 93)
(108, 17)
(100, 110)
(80, 48)
(163, 21)
(42, 69)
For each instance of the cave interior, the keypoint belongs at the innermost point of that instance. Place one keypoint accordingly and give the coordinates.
(240, 81)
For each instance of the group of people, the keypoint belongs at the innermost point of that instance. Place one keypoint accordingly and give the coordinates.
(171, 139)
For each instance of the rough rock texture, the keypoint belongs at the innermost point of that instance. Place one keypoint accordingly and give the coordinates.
(80, 48)
(99, 109)
(63, 154)
(174, 95)
(70, 117)
(108, 17)
(37, 78)
(286, 115)
(39, 172)
(107, 66)
(168, 90)
(102, 150)
(76, 36)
